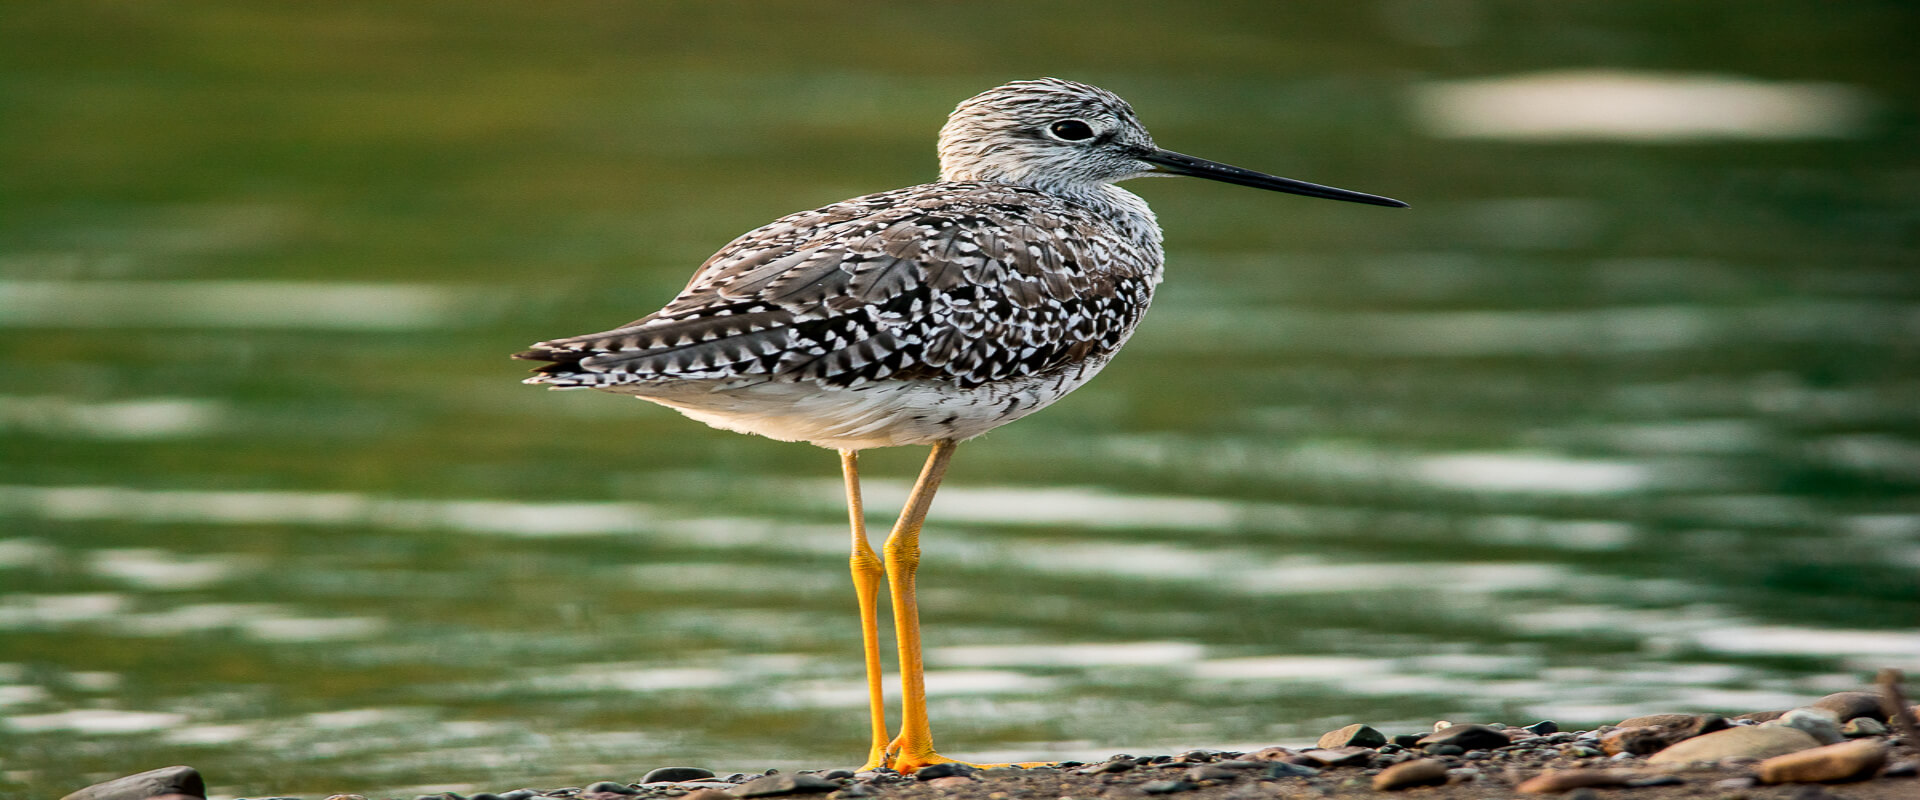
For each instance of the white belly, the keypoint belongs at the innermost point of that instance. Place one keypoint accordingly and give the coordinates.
(881, 414)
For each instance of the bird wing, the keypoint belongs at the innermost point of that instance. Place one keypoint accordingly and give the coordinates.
(963, 283)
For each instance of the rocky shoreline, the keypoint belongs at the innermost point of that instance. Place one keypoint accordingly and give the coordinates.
(1855, 745)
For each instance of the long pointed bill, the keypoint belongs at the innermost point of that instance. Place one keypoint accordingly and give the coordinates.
(1173, 163)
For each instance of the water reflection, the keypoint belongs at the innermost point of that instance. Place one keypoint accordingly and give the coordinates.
(1639, 106)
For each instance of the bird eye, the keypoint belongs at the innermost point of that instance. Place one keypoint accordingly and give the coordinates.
(1072, 130)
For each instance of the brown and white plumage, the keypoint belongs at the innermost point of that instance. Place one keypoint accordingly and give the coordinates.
(925, 315)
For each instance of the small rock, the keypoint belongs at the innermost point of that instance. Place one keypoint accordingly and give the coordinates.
(1567, 780)
(1583, 793)
(1544, 727)
(150, 784)
(1657, 721)
(951, 781)
(1121, 764)
(776, 785)
(1466, 737)
(1275, 753)
(1355, 735)
(1852, 705)
(1408, 740)
(1817, 722)
(1736, 784)
(949, 769)
(1641, 740)
(1904, 769)
(1282, 769)
(1213, 772)
(333, 797)
(852, 790)
(1863, 726)
(678, 774)
(1438, 749)
(1761, 716)
(1168, 787)
(1835, 763)
(1340, 757)
(609, 787)
(1422, 772)
(1739, 742)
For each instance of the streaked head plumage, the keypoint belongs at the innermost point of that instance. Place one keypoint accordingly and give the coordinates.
(1049, 133)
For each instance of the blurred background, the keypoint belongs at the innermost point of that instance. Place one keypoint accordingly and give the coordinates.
(1623, 416)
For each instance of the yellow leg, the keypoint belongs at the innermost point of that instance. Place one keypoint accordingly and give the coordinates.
(866, 585)
(914, 747)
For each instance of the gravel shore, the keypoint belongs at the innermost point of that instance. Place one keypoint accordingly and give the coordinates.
(1847, 745)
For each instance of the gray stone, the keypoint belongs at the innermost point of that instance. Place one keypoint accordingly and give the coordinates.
(1863, 726)
(152, 783)
(679, 775)
(1852, 705)
(1738, 742)
(776, 785)
(1341, 756)
(1282, 769)
(609, 787)
(1466, 737)
(949, 769)
(837, 774)
(1544, 727)
(1355, 735)
(1817, 722)
(1168, 787)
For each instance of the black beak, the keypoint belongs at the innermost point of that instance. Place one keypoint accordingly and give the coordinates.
(1176, 164)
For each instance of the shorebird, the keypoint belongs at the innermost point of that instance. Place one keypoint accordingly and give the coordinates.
(921, 316)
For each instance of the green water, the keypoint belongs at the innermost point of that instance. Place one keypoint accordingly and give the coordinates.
(1599, 427)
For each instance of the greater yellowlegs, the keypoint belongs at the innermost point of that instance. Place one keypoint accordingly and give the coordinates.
(921, 316)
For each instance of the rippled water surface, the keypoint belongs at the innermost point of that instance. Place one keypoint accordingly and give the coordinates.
(1623, 416)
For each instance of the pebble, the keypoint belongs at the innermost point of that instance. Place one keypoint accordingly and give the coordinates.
(1852, 705)
(1340, 757)
(1834, 763)
(1657, 720)
(1355, 735)
(1817, 722)
(1762, 716)
(1544, 727)
(1408, 740)
(1421, 772)
(1121, 764)
(679, 774)
(1274, 753)
(1282, 769)
(1466, 737)
(1863, 726)
(1739, 742)
(1168, 787)
(950, 781)
(949, 769)
(1438, 749)
(854, 790)
(775, 785)
(1224, 770)
(1904, 769)
(1566, 780)
(152, 783)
